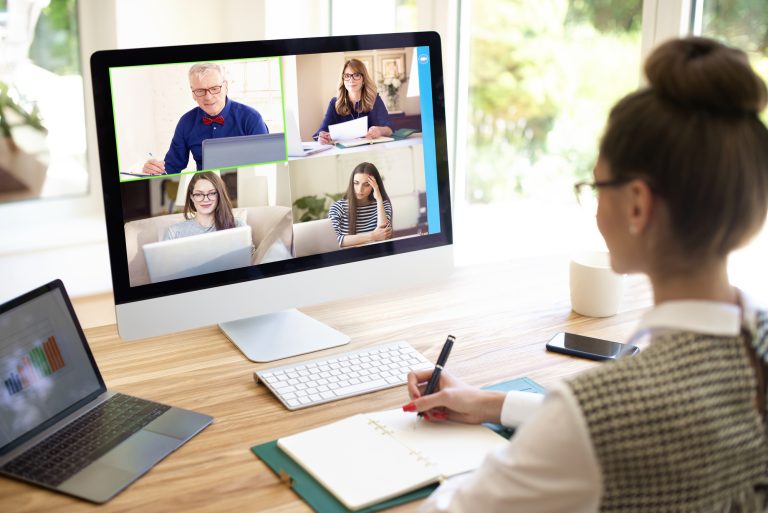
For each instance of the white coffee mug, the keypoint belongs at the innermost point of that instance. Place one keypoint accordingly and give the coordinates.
(595, 289)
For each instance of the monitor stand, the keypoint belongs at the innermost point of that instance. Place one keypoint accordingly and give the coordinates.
(270, 337)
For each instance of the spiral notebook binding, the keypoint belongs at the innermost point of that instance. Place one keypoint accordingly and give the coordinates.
(385, 430)
(421, 458)
(381, 428)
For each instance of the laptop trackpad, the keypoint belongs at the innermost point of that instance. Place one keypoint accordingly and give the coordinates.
(179, 423)
(97, 482)
(139, 452)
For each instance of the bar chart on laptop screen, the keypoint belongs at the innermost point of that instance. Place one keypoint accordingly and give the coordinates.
(38, 356)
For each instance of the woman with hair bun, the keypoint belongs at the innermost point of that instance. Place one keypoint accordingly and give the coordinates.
(681, 181)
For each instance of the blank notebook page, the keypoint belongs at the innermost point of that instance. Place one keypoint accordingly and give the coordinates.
(369, 458)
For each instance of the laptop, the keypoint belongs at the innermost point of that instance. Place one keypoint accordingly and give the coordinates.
(60, 427)
(296, 148)
(243, 150)
(199, 254)
(314, 237)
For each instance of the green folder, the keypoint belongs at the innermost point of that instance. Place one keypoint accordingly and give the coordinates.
(322, 501)
(403, 133)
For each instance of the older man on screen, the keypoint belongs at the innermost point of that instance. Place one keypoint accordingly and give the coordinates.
(215, 116)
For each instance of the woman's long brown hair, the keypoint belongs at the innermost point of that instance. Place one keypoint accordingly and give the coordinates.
(222, 215)
(345, 106)
(365, 168)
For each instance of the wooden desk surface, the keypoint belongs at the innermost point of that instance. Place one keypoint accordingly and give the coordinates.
(501, 315)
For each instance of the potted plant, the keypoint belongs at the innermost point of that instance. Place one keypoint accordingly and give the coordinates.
(315, 206)
(9, 106)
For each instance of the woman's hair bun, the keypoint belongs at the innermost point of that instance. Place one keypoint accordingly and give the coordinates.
(701, 73)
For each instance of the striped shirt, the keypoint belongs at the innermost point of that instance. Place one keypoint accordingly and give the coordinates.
(367, 219)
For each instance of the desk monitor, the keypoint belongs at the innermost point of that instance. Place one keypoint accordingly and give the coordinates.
(255, 306)
(228, 152)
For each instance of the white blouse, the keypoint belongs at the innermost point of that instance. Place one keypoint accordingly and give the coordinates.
(550, 464)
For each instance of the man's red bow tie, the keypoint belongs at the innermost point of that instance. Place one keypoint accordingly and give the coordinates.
(217, 119)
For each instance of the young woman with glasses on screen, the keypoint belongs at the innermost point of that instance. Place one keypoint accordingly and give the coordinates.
(206, 209)
(357, 97)
(681, 181)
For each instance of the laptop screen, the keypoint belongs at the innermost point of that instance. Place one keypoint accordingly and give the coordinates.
(45, 366)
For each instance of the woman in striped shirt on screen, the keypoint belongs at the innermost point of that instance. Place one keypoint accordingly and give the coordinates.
(365, 213)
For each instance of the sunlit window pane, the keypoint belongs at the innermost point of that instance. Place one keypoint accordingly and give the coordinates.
(42, 121)
(543, 76)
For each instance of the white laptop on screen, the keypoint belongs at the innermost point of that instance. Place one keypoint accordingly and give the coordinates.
(199, 254)
(296, 148)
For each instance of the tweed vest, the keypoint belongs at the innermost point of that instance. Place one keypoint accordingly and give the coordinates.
(676, 429)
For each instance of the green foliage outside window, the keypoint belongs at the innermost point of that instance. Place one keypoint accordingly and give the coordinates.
(55, 46)
(742, 23)
(543, 74)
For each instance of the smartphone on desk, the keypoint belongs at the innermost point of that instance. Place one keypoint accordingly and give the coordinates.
(589, 347)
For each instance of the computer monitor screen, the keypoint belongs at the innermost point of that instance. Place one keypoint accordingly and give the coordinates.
(360, 203)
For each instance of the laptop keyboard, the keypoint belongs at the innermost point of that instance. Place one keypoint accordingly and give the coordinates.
(74, 447)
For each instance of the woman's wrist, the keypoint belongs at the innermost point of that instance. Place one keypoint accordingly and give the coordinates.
(491, 403)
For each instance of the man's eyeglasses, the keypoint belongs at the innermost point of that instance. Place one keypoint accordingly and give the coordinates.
(350, 76)
(586, 191)
(199, 196)
(212, 90)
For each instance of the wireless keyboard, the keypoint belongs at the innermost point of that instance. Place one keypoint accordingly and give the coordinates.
(305, 384)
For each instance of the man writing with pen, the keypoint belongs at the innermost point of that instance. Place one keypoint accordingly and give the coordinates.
(215, 116)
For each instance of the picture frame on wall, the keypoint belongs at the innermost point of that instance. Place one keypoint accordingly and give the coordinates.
(391, 65)
(391, 79)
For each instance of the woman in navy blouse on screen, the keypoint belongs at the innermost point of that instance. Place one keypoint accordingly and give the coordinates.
(357, 97)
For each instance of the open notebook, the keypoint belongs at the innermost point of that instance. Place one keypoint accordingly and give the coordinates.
(372, 457)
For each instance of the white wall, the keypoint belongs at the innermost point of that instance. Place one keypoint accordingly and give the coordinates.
(317, 77)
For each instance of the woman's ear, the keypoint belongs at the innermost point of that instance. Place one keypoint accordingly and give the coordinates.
(640, 206)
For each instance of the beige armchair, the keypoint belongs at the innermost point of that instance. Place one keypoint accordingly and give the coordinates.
(271, 230)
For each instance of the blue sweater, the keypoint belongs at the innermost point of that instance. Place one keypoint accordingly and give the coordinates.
(190, 132)
(377, 117)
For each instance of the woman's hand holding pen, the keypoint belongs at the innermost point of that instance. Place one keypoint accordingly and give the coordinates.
(454, 400)
(324, 138)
